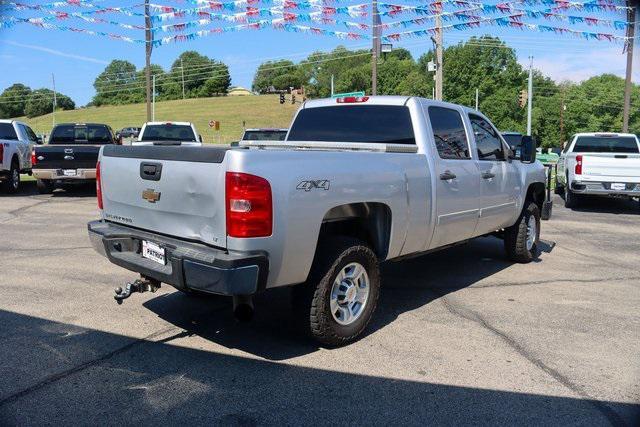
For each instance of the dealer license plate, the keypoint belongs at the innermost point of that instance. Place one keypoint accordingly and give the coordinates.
(153, 251)
(618, 187)
(69, 172)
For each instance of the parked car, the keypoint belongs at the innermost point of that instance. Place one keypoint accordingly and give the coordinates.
(602, 164)
(264, 134)
(514, 140)
(130, 132)
(169, 133)
(71, 154)
(547, 156)
(360, 180)
(16, 144)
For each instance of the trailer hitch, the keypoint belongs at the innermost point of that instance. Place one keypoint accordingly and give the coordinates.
(140, 285)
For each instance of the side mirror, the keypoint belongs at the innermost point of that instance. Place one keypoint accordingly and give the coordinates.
(39, 140)
(528, 150)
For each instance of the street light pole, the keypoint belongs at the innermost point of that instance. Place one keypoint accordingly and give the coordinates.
(530, 95)
(375, 20)
(182, 70)
(153, 111)
(438, 41)
(55, 101)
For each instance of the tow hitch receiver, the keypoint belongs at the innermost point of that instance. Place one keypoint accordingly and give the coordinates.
(141, 285)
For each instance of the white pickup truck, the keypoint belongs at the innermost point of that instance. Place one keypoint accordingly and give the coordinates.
(168, 133)
(603, 164)
(358, 181)
(16, 145)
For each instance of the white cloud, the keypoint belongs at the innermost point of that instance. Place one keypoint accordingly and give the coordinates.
(580, 66)
(56, 52)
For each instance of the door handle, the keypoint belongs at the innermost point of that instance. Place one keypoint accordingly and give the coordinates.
(447, 175)
(488, 175)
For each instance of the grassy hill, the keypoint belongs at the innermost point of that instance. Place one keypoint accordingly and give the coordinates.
(257, 111)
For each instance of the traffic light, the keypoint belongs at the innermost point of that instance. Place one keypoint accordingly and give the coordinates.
(522, 98)
(282, 98)
(293, 98)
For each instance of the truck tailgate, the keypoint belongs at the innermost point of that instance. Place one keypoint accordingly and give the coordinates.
(176, 191)
(609, 166)
(74, 156)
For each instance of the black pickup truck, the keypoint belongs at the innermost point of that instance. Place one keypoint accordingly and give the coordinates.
(70, 155)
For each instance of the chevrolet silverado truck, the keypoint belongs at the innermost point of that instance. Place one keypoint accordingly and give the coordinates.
(16, 145)
(70, 155)
(358, 181)
(601, 164)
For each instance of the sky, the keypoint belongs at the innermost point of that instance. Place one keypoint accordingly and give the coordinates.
(31, 55)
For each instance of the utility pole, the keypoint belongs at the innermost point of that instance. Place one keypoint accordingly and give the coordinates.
(631, 13)
(148, 48)
(182, 69)
(477, 96)
(375, 19)
(438, 40)
(153, 111)
(332, 85)
(562, 108)
(55, 101)
(530, 95)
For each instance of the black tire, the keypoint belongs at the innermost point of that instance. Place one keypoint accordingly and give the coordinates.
(45, 186)
(570, 199)
(559, 189)
(12, 184)
(515, 237)
(311, 300)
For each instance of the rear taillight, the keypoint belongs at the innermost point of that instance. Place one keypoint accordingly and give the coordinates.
(578, 170)
(248, 205)
(98, 186)
(1, 152)
(34, 160)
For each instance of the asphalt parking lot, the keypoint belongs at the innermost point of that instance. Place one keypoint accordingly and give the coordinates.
(460, 337)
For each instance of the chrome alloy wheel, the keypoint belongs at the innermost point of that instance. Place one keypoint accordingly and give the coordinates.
(532, 232)
(349, 294)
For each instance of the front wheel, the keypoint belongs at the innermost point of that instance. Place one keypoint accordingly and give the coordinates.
(339, 298)
(521, 239)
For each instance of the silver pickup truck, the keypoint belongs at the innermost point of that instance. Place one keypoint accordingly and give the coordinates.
(358, 181)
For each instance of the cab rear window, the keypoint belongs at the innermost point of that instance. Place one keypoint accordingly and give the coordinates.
(383, 124)
(81, 134)
(606, 144)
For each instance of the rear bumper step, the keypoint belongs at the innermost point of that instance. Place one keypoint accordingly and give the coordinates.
(188, 265)
(58, 174)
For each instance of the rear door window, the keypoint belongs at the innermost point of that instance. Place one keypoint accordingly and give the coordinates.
(7, 131)
(383, 124)
(448, 133)
(606, 144)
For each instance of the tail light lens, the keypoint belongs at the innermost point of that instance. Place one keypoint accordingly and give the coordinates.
(98, 186)
(34, 159)
(248, 205)
(578, 170)
(1, 152)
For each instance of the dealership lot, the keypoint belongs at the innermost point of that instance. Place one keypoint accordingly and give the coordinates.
(460, 336)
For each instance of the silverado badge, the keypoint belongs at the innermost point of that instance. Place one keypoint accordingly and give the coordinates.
(150, 195)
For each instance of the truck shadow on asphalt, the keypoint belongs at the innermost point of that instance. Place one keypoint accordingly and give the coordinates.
(59, 373)
(272, 334)
(28, 189)
(607, 205)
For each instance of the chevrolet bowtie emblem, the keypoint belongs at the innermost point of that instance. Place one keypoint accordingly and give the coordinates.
(151, 196)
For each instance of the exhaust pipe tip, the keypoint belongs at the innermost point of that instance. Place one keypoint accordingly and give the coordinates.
(243, 308)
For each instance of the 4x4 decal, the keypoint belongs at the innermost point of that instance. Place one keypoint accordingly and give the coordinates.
(322, 184)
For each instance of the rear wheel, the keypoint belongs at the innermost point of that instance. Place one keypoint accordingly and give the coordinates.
(339, 298)
(570, 199)
(521, 239)
(12, 184)
(45, 186)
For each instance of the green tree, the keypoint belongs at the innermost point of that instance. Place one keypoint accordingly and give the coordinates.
(278, 75)
(118, 84)
(40, 102)
(13, 100)
(203, 77)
